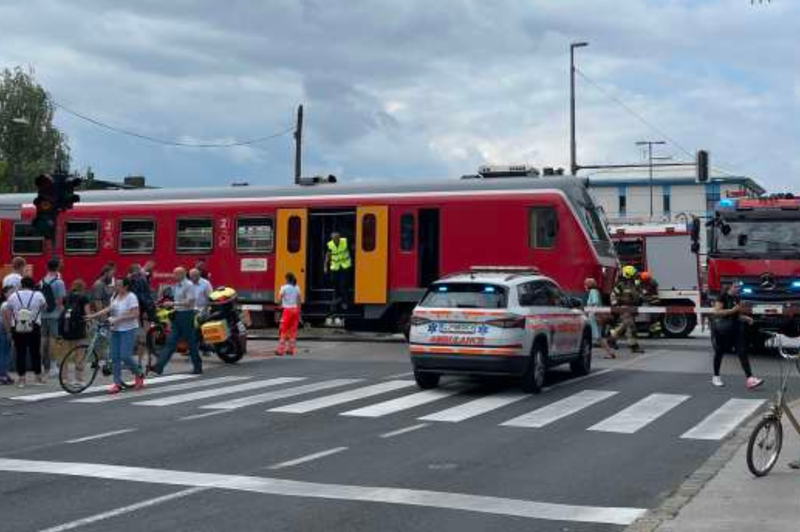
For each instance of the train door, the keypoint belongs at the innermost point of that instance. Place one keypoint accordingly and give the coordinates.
(320, 226)
(428, 247)
(372, 249)
(290, 253)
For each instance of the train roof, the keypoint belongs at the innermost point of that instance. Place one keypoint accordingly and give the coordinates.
(574, 188)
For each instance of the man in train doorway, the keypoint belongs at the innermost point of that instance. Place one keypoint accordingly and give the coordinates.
(339, 264)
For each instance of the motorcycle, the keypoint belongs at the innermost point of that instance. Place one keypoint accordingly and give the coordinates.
(222, 328)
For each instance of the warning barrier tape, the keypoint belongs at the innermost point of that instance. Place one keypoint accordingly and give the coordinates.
(767, 310)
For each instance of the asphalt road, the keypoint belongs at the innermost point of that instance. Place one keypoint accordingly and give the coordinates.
(338, 438)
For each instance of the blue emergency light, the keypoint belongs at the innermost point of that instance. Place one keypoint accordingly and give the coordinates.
(795, 284)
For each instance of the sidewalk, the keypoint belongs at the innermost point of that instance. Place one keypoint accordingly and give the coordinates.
(735, 501)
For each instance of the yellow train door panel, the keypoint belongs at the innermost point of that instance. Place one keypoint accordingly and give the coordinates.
(290, 250)
(372, 254)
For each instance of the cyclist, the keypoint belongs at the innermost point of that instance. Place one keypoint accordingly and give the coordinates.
(728, 329)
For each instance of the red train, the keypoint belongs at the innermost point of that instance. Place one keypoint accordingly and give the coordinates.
(402, 237)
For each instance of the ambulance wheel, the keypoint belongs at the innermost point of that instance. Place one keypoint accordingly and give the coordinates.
(583, 364)
(678, 325)
(426, 380)
(533, 378)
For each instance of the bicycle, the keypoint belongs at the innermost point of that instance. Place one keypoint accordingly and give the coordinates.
(766, 440)
(80, 367)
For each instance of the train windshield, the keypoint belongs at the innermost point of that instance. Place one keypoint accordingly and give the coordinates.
(593, 220)
(758, 237)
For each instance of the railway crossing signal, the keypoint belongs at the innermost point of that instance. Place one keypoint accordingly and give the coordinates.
(702, 166)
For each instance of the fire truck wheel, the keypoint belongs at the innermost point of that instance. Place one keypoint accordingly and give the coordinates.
(533, 378)
(583, 364)
(678, 325)
(426, 380)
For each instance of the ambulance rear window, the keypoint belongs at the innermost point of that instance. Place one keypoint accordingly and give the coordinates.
(465, 295)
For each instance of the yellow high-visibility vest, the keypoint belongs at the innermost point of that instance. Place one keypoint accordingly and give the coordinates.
(340, 255)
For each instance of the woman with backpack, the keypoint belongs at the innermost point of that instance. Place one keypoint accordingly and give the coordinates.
(26, 306)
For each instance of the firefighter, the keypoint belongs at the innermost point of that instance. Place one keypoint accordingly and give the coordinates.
(339, 264)
(627, 293)
(649, 289)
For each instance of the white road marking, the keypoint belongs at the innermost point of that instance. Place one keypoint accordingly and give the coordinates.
(640, 414)
(101, 436)
(250, 400)
(402, 403)
(161, 389)
(476, 407)
(124, 510)
(398, 432)
(32, 398)
(560, 409)
(375, 494)
(203, 415)
(343, 397)
(205, 394)
(404, 375)
(308, 458)
(723, 420)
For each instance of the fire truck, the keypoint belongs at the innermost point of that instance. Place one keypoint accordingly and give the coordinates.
(664, 250)
(755, 242)
(402, 237)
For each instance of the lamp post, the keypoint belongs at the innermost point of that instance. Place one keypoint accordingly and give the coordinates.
(650, 144)
(573, 150)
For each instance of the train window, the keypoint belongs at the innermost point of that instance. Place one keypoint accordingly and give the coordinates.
(294, 234)
(368, 227)
(26, 240)
(254, 235)
(542, 227)
(407, 232)
(81, 236)
(137, 236)
(194, 236)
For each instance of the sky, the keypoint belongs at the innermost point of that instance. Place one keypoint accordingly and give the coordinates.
(413, 89)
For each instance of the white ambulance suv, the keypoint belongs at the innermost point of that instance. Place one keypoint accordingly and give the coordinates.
(498, 321)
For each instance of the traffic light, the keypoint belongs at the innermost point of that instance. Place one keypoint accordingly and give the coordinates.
(46, 209)
(64, 191)
(702, 166)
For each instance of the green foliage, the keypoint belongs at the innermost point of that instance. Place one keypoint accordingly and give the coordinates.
(29, 143)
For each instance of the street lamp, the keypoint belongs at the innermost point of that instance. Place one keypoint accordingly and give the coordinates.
(650, 144)
(573, 150)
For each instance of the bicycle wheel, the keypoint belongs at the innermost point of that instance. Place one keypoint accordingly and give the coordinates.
(764, 446)
(78, 369)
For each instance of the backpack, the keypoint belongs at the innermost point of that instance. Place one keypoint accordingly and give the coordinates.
(70, 323)
(24, 320)
(49, 296)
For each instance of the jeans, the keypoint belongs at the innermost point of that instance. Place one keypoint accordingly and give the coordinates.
(182, 327)
(5, 353)
(121, 350)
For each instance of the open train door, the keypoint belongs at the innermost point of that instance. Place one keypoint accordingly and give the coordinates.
(372, 254)
(290, 253)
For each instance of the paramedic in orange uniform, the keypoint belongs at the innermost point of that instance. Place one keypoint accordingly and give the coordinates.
(289, 298)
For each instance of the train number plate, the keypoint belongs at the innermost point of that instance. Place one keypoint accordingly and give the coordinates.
(458, 328)
(767, 309)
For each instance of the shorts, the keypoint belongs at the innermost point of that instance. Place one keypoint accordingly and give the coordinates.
(50, 327)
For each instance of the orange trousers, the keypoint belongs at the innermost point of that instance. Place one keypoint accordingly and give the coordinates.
(287, 339)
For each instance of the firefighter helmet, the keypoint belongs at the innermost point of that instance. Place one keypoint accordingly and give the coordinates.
(628, 272)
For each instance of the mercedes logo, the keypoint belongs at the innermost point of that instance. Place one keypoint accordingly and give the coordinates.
(767, 281)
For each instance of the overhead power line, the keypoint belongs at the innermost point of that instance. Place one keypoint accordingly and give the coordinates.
(168, 142)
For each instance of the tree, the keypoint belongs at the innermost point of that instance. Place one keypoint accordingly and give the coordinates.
(29, 142)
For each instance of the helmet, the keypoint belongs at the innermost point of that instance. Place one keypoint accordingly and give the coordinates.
(628, 272)
(644, 276)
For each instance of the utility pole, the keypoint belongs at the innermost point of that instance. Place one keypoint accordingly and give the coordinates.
(650, 144)
(573, 149)
(298, 146)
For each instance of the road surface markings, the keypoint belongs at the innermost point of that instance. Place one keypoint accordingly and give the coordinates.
(278, 394)
(403, 403)
(560, 409)
(406, 430)
(227, 390)
(723, 420)
(308, 458)
(32, 398)
(640, 414)
(204, 415)
(159, 390)
(476, 407)
(404, 375)
(343, 397)
(101, 436)
(124, 510)
(374, 494)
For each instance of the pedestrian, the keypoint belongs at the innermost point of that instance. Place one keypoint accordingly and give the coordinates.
(123, 317)
(140, 287)
(13, 279)
(26, 306)
(5, 335)
(183, 325)
(103, 288)
(148, 269)
(54, 291)
(72, 323)
(728, 333)
(648, 287)
(338, 263)
(289, 297)
(202, 288)
(594, 300)
(202, 267)
(626, 294)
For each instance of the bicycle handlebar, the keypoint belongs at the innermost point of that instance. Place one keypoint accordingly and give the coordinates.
(778, 342)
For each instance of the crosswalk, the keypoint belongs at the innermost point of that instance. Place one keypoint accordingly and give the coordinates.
(455, 402)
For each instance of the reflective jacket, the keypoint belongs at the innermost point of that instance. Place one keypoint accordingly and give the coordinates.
(339, 255)
(626, 293)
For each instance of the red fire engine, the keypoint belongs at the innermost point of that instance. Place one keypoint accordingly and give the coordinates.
(756, 242)
(402, 237)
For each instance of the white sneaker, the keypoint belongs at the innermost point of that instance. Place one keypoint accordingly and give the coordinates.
(716, 380)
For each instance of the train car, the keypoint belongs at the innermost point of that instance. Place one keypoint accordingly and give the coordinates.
(402, 237)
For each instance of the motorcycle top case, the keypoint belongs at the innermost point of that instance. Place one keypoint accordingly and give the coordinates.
(215, 332)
